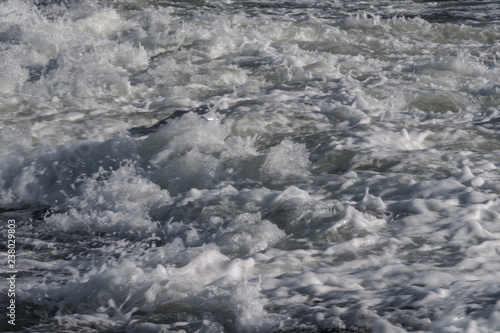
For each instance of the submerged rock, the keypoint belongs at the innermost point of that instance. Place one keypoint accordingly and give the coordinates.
(145, 130)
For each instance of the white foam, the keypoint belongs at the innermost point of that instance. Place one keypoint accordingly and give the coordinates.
(286, 160)
(343, 178)
(106, 21)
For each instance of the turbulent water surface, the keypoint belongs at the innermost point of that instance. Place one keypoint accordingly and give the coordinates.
(338, 171)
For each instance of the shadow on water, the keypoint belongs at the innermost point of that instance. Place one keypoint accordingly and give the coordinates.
(458, 12)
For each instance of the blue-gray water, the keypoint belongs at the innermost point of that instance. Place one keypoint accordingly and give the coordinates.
(337, 170)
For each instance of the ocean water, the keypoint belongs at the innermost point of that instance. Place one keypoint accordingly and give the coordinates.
(250, 166)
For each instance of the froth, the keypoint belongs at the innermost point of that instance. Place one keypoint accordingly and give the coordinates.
(343, 176)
